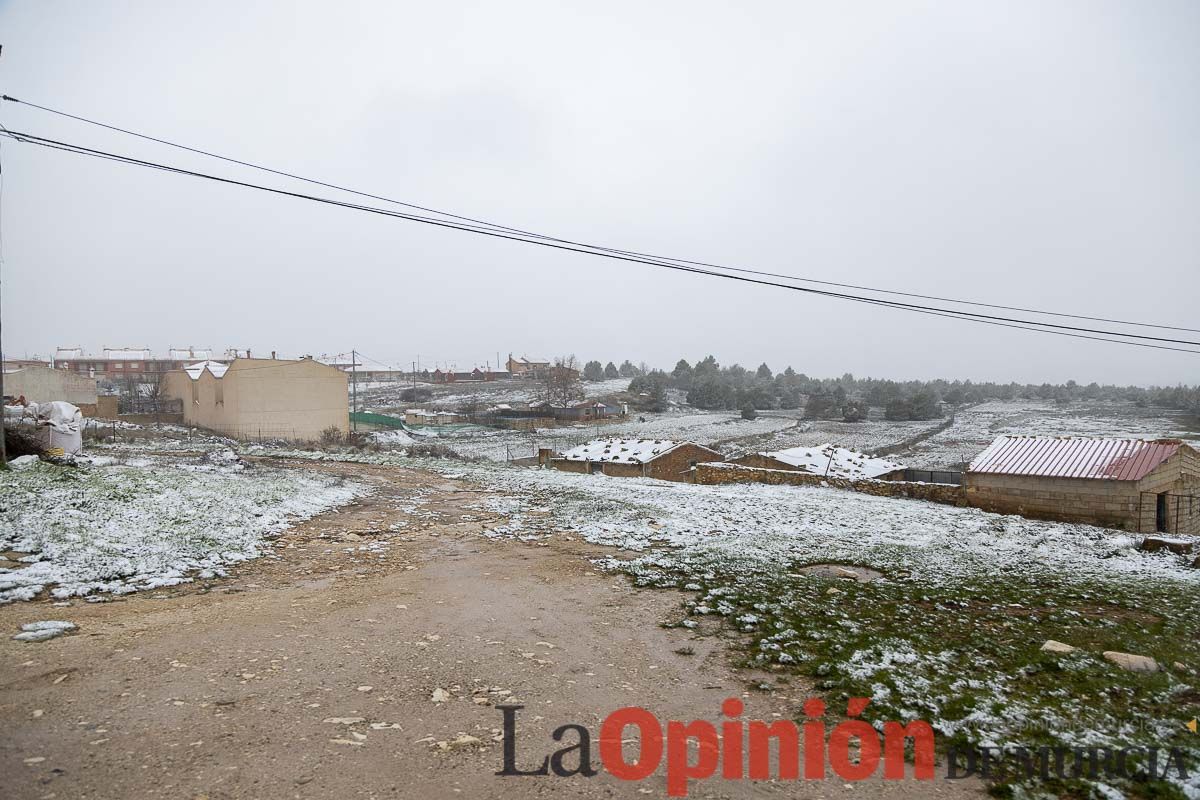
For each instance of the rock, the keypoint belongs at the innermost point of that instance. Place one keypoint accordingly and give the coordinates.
(1131, 662)
(1196, 563)
(365, 688)
(464, 740)
(439, 695)
(23, 462)
(344, 720)
(41, 631)
(1052, 646)
(1153, 544)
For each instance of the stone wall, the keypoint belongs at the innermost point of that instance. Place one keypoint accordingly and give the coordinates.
(734, 473)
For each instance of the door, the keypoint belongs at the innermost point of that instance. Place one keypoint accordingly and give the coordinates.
(1160, 515)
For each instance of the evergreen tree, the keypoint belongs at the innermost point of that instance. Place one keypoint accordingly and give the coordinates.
(592, 371)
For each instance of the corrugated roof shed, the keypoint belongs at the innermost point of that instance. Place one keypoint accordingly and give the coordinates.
(1055, 457)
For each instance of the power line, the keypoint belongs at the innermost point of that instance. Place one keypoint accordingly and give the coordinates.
(526, 233)
(1023, 324)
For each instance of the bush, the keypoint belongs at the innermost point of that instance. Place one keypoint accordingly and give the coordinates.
(19, 443)
(854, 411)
(749, 412)
(416, 394)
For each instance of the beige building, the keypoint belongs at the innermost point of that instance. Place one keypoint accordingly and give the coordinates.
(262, 398)
(43, 385)
(1139, 485)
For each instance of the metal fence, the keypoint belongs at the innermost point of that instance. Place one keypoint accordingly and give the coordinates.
(933, 476)
(1170, 512)
(149, 405)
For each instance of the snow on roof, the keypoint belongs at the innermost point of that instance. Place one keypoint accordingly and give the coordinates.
(836, 462)
(1074, 457)
(215, 367)
(623, 451)
(127, 353)
(68, 352)
(189, 353)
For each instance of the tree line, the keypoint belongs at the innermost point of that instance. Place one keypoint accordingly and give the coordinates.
(708, 385)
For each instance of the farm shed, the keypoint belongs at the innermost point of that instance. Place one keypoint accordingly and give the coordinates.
(257, 398)
(1138, 485)
(634, 458)
(587, 410)
(827, 460)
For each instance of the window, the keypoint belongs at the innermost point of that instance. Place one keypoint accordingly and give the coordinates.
(196, 393)
(135, 365)
(118, 365)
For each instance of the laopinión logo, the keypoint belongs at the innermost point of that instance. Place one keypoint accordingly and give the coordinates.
(743, 749)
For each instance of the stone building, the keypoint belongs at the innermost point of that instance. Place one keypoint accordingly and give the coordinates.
(1137, 485)
(633, 458)
(262, 398)
(525, 367)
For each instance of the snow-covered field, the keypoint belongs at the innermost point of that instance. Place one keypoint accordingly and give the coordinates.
(976, 427)
(708, 428)
(147, 523)
(760, 527)
(448, 396)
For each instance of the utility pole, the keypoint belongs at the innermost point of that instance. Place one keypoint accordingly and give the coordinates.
(354, 387)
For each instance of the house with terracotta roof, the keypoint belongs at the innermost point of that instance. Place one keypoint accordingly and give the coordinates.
(1142, 485)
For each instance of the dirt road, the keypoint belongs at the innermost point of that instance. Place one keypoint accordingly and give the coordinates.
(312, 673)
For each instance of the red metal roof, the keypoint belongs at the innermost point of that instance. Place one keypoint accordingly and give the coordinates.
(1050, 457)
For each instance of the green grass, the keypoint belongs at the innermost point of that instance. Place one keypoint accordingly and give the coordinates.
(969, 658)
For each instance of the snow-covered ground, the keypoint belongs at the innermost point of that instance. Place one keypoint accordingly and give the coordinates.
(708, 428)
(119, 528)
(976, 427)
(760, 527)
(451, 395)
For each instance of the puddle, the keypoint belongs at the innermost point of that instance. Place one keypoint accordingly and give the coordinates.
(841, 571)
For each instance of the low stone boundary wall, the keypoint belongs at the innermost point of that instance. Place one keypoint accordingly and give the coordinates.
(719, 472)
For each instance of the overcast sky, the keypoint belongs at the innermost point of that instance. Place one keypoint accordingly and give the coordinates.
(1041, 154)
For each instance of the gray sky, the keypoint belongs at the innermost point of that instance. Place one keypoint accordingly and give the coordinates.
(1026, 153)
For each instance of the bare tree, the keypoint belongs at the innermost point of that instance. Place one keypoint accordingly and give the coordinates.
(561, 384)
